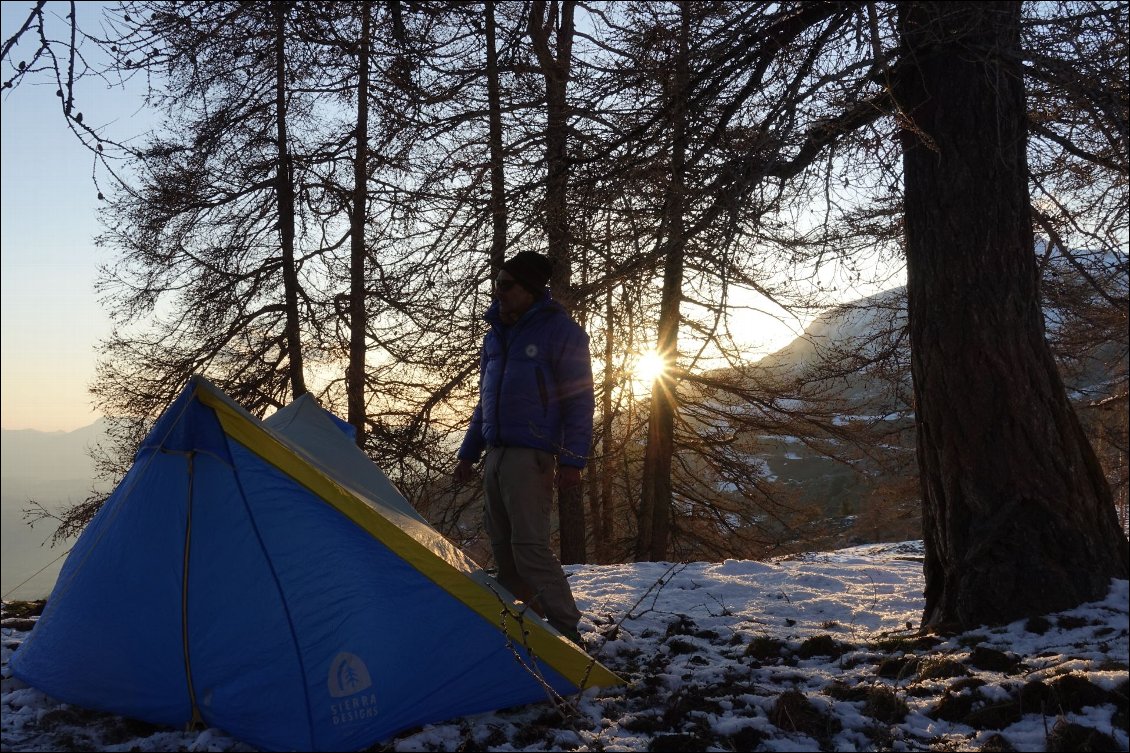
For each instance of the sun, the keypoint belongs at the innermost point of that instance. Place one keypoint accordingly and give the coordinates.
(649, 367)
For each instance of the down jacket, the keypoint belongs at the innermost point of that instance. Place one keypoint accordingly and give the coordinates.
(535, 386)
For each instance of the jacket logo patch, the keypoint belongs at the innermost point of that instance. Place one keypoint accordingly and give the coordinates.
(531, 350)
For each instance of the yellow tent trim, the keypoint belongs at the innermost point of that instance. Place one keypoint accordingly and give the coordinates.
(557, 652)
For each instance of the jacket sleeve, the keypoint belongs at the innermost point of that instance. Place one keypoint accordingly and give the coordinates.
(573, 372)
(473, 443)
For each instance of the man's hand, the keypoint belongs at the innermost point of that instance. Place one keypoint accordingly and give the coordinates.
(464, 472)
(568, 477)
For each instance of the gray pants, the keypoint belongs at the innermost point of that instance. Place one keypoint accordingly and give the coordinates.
(519, 499)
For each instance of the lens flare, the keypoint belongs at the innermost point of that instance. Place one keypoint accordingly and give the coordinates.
(649, 367)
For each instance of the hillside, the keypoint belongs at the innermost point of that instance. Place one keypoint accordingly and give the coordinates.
(830, 426)
(30, 458)
(808, 652)
(55, 470)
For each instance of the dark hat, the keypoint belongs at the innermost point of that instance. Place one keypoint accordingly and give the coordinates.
(530, 269)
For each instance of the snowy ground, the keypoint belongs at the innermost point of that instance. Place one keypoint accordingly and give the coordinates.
(810, 652)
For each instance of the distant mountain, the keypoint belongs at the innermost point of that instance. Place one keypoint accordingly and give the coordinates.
(862, 327)
(851, 368)
(52, 464)
(54, 469)
(846, 339)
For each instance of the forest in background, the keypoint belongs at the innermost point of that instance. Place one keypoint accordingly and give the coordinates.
(335, 184)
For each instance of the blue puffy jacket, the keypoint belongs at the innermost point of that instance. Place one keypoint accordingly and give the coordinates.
(535, 386)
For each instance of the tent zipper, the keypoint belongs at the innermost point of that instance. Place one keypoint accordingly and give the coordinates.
(197, 720)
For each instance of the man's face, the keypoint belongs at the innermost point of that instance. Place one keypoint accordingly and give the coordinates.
(513, 299)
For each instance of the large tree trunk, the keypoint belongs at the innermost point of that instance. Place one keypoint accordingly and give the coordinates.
(654, 531)
(285, 184)
(545, 18)
(355, 373)
(1018, 518)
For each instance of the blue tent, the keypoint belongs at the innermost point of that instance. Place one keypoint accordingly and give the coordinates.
(266, 578)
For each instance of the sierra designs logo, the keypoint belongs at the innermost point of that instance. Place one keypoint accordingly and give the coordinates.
(348, 679)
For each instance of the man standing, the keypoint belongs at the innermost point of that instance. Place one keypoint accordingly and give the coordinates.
(534, 419)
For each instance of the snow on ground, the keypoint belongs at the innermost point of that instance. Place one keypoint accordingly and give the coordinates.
(808, 652)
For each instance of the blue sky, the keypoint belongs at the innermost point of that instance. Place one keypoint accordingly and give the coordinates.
(49, 315)
(51, 319)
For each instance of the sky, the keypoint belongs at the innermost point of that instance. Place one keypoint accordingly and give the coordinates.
(50, 317)
(799, 653)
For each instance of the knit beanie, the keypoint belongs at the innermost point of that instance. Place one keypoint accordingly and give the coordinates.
(530, 269)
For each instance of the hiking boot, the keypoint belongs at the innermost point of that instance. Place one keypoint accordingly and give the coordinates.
(575, 637)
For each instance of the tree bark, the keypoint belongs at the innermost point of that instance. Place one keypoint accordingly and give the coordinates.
(555, 63)
(285, 183)
(654, 530)
(355, 372)
(544, 18)
(603, 524)
(497, 176)
(1017, 514)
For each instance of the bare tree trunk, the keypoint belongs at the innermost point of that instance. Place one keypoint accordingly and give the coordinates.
(1018, 517)
(543, 20)
(355, 373)
(497, 181)
(655, 507)
(603, 524)
(286, 210)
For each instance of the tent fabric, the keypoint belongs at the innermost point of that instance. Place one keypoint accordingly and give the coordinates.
(267, 579)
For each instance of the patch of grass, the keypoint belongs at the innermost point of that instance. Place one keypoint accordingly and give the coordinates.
(940, 667)
(898, 645)
(793, 712)
(123, 730)
(1068, 622)
(643, 724)
(822, 645)
(952, 708)
(994, 715)
(747, 738)
(967, 683)
(991, 660)
(494, 738)
(1072, 692)
(884, 705)
(678, 646)
(683, 706)
(683, 625)
(997, 743)
(898, 667)
(763, 647)
(24, 608)
(530, 734)
(1035, 696)
(1067, 736)
(841, 691)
